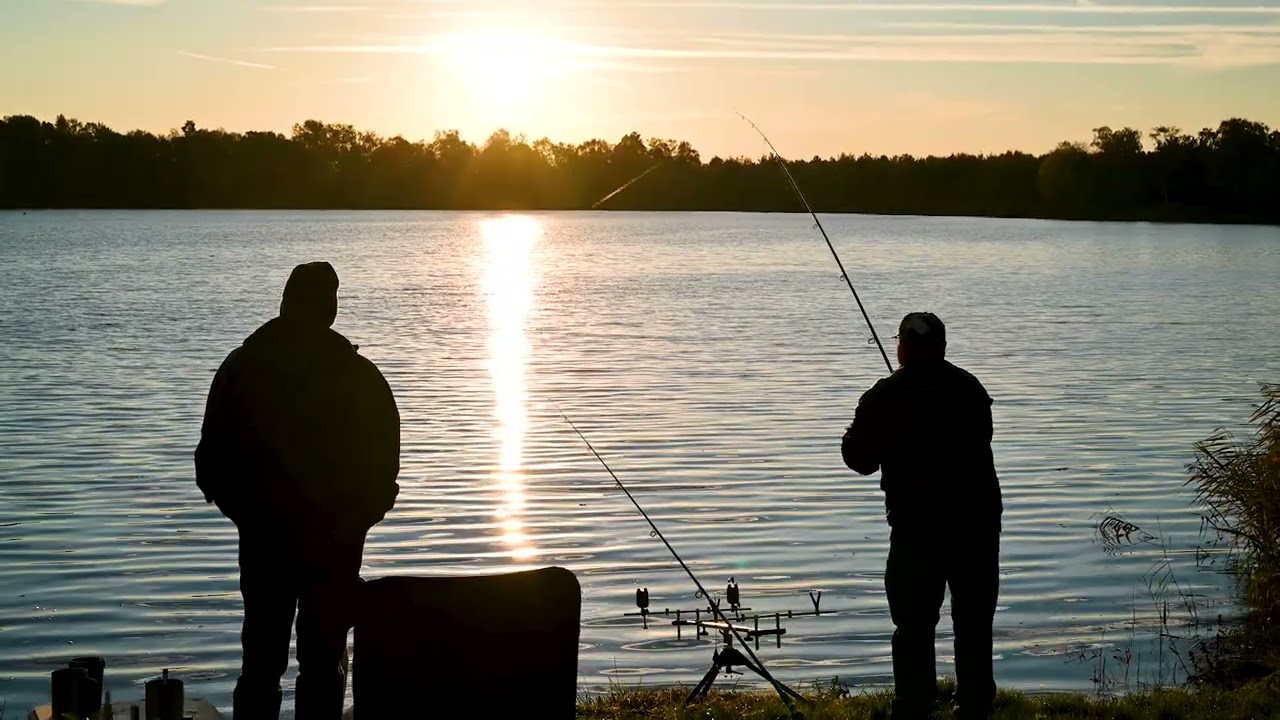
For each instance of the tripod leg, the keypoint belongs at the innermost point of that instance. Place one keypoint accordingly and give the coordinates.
(704, 684)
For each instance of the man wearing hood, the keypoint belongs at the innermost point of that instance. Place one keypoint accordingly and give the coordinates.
(300, 448)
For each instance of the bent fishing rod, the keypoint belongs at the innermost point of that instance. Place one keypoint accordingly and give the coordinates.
(784, 692)
(795, 186)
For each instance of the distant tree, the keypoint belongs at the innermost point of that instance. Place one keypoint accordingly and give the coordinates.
(1061, 179)
(1125, 142)
(1228, 172)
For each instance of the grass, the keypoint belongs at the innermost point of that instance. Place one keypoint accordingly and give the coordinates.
(1257, 699)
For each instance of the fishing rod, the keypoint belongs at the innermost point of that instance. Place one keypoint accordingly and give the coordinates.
(795, 186)
(784, 692)
(626, 185)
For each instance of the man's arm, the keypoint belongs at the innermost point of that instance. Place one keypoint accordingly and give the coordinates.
(384, 435)
(213, 455)
(861, 445)
(986, 429)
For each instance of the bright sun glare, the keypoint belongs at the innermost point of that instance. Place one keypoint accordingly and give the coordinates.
(504, 68)
(509, 279)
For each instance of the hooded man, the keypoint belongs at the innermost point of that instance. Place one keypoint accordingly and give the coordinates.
(300, 448)
(927, 429)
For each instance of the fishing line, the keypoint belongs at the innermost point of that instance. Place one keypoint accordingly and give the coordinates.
(783, 691)
(843, 274)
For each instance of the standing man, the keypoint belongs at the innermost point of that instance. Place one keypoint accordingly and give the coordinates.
(300, 448)
(927, 429)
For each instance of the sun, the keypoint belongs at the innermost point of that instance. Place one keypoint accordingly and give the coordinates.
(504, 68)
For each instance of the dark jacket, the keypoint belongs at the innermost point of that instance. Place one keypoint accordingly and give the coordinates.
(927, 428)
(301, 434)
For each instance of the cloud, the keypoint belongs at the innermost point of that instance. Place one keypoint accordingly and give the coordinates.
(132, 3)
(314, 9)
(225, 61)
(1085, 7)
(1061, 46)
(1087, 39)
(1168, 29)
(954, 49)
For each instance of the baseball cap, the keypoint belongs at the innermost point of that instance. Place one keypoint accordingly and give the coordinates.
(922, 326)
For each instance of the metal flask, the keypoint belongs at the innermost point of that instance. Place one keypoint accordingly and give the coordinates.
(164, 700)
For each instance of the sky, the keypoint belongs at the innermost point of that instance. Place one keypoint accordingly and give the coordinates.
(821, 77)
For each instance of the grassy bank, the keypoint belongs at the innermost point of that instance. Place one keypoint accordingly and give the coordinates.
(1257, 699)
(1234, 674)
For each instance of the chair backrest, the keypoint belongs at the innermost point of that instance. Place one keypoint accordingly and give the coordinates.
(474, 646)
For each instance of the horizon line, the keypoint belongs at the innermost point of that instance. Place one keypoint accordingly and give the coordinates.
(515, 136)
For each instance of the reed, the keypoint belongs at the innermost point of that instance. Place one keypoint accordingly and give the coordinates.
(1237, 480)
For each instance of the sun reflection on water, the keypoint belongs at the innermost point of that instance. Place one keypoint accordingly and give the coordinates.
(508, 283)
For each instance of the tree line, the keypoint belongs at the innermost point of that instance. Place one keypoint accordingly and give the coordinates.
(1230, 173)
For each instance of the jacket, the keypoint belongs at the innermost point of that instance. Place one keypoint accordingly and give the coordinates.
(300, 434)
(927, 428)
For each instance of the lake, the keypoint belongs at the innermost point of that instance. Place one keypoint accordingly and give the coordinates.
(714, 360)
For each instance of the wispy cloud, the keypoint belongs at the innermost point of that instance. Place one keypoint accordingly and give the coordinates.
(873, 48)
(1164, 29)
(930, 7)
(1215, 49)
(225, 61)
(314, 9)
(134, 3)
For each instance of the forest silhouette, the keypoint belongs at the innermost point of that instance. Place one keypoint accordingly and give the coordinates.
(1230, 173)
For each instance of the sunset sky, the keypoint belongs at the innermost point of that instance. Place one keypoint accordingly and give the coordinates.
(821, 76)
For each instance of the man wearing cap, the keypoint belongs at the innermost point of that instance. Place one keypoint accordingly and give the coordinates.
(927, 429)
(300, 448)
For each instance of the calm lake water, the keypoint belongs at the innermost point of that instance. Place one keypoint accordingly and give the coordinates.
(713, 359)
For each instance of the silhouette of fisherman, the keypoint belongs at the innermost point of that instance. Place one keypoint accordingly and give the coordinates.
(300, 449)
(927, 429)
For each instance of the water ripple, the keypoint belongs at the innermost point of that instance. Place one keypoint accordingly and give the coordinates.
(714, 360)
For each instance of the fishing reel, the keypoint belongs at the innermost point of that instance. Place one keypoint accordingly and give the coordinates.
(732, 595)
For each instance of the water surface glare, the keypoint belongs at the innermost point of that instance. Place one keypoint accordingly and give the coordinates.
(713, 359)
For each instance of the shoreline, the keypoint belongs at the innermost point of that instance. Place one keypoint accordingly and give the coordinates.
(1163, 222)
(1257, 699)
